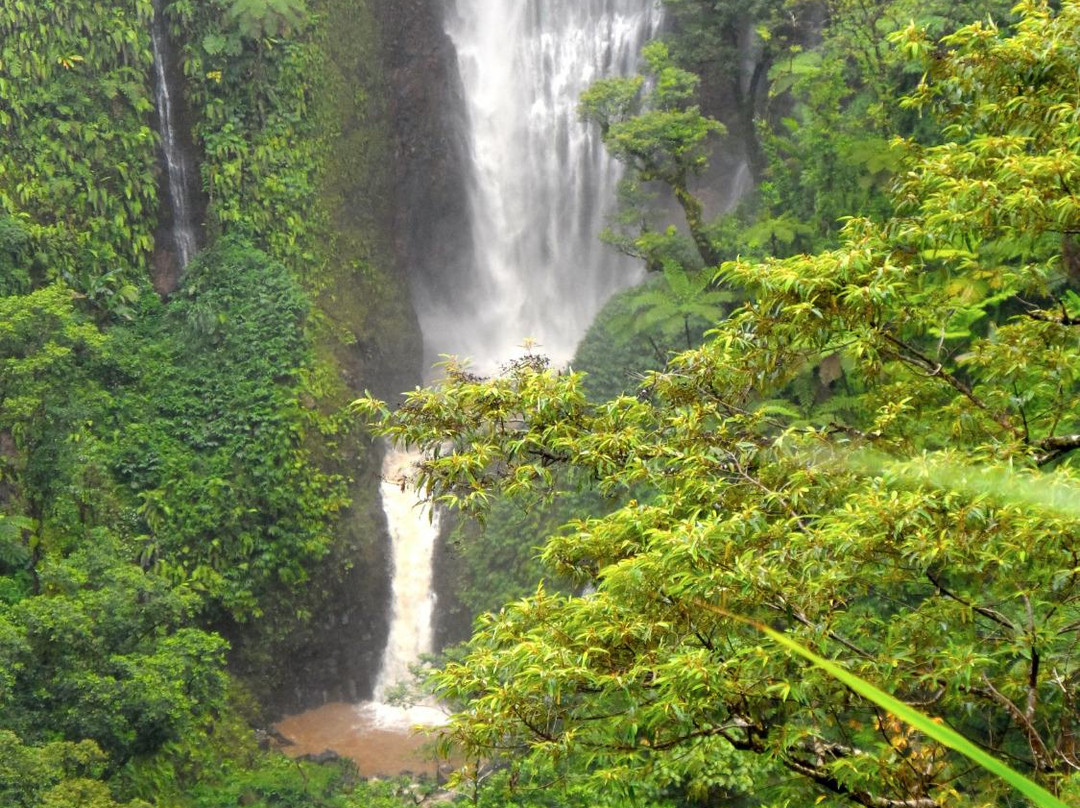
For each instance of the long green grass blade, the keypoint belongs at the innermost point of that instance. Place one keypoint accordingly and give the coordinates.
(940, 733)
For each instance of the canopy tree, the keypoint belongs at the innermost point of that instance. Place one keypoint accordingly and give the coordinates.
(657, 130)
(920, 527)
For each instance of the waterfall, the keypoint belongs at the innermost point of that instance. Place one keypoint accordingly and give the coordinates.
(541, 191)
(179, 172)
(542, 185)
(414, 529)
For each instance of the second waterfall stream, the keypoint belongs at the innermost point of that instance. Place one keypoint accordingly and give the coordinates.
(541, 189)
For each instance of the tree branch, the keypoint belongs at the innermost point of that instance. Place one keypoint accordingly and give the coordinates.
(827, 781)
(1038, 746)
(1033, 671)
(816, 770)
(1053, 448)
(1045, 317)
(913, 356)
(986, 612)
(786, 608)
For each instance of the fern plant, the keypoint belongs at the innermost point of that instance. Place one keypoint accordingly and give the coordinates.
(675, 308)
(257, 19)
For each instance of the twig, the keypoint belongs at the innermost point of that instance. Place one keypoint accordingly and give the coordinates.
(1035, 741)
(1064, 319)
(913, 356)
(988, 613)
(786, 608)
(1056, 447)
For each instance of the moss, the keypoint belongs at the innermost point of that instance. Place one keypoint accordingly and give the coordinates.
(365, 336)
(369, 328)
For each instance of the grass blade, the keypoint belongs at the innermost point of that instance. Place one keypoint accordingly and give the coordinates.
(940, 733)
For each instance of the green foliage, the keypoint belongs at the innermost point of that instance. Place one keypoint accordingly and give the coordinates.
(661, 135)
(267, 18)
(204, 427)
(635, 333)
(499, 560)
(161, 464)
(78, 165)
(931, 571)
(942, 734)
(42, 341)
(262, 148)
(14, 256)
(152, 475)
(276, 782)
(674, 310)
(614, 359)
(834, 154)
(46, 352)
(1002, 176)
(102, 654)
(55, 775)
(813, 98)
(731, 46)
(517, 786)
(217, 449)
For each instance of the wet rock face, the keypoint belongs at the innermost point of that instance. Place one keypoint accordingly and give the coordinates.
(293, 665)
(426, 107)
(411, 198)
(182, 211)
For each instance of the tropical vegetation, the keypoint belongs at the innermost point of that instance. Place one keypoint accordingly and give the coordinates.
(800, 528)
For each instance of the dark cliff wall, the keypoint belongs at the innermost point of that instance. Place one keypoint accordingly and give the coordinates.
(433, 242)
(396, 189)
(432, 230)
(373, 339)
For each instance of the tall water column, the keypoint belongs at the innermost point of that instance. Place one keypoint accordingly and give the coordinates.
(541, 190)
(542, 185)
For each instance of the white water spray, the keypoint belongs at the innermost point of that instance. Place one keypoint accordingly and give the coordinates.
(179, 171)
(414, 529)
(542, 185)
(542, 190)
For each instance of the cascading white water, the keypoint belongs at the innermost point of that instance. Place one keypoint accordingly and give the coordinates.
(178, 168)
(541, 191)
(414, 529)
(542, 185)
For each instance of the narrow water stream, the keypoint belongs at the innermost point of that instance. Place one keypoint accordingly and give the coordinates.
(179, 171)
(377, 735)
(414, 529)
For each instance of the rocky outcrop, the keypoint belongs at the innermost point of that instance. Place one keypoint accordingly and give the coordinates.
(396, 192)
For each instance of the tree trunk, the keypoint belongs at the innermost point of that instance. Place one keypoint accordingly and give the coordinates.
(692, 210)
